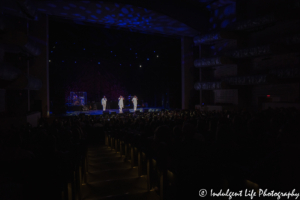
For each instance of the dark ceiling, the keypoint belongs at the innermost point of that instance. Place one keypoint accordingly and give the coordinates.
(180, 17)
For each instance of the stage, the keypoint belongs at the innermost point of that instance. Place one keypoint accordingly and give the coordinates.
(110, 111)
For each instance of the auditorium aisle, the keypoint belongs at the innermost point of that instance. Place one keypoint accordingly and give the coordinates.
(109, 177)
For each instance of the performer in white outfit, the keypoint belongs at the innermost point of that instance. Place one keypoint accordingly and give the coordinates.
(103, 102)
(121, 105)
(134, 100)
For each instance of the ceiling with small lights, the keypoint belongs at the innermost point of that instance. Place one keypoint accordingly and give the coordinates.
(111, 14)
(181, 18)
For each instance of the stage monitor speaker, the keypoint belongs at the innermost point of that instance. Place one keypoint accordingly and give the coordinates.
(146, 110)
(126, 111)
(113, 113)
(138, 112)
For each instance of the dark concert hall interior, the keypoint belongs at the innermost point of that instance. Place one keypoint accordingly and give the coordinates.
(149, 99)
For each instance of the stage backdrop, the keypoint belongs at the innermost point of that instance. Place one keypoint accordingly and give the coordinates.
(108, 62)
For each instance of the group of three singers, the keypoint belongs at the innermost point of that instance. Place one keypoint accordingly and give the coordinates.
(121, 104)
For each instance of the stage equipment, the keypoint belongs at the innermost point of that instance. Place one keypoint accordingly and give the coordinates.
(85, 108)
(78, 98)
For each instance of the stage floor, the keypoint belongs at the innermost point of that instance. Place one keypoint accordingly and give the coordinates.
(100, 112)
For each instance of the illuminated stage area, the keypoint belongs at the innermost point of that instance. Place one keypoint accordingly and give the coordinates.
(111, 111)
